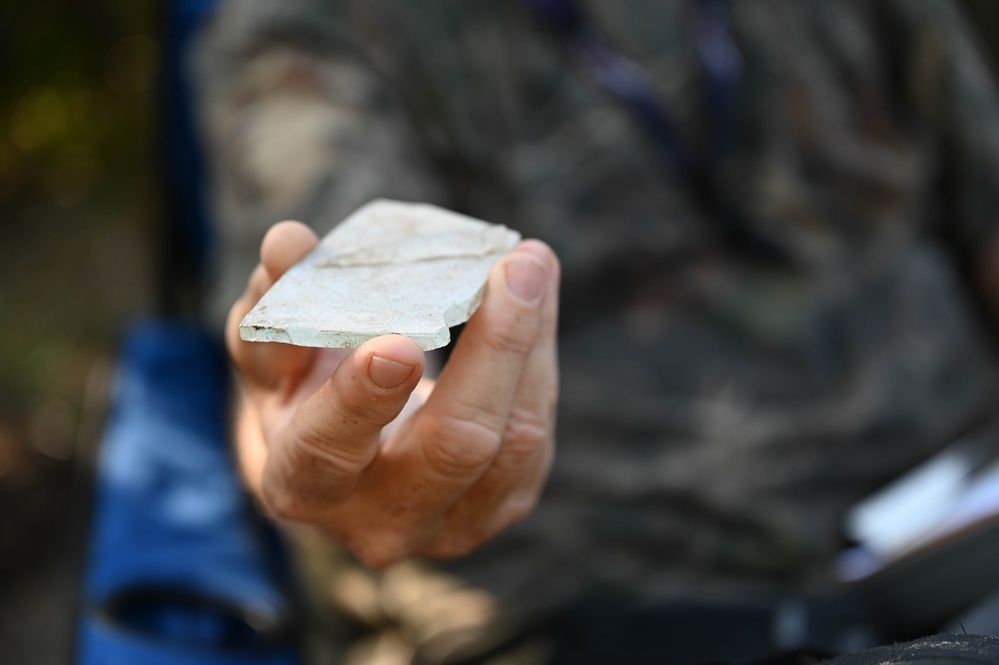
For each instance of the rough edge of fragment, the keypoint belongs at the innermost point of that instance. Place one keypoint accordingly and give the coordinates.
(337, 340)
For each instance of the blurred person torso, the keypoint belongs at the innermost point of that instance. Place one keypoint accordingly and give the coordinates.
(719, 410)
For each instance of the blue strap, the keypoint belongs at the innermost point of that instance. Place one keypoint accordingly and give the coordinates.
(627, 81)
(721, 62)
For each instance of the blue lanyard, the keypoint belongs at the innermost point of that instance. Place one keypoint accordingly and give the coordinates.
(627, 81)
(721, 62)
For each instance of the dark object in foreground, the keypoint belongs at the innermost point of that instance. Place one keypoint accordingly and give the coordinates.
(936, 650)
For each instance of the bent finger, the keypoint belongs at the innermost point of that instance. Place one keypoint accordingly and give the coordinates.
(270, 365)
(457, 433)
(476, 389)
(509, 488)
(285, 244)
(336, 433)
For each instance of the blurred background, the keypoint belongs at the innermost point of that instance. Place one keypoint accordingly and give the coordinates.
(83, 225)
(79, 209)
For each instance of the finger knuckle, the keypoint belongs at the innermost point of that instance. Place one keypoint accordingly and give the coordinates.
(513, 334)
(525, 433)
(312, 451)
(459, 446)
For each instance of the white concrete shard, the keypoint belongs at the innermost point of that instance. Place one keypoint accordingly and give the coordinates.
(389, 268)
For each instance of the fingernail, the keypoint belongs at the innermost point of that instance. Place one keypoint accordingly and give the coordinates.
(387, 373)
(526, 279)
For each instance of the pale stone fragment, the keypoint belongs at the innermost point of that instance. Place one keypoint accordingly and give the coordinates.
(390, 268)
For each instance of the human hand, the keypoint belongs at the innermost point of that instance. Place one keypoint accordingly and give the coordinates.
(362, 446)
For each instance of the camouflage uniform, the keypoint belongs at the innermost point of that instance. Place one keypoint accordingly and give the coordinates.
(718, 413)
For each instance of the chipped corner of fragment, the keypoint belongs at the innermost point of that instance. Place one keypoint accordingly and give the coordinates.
(251, 332)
